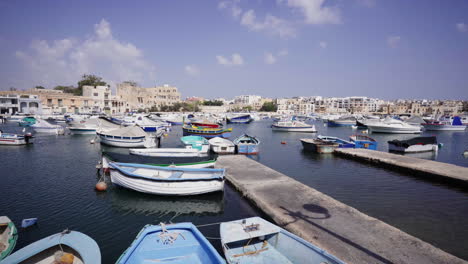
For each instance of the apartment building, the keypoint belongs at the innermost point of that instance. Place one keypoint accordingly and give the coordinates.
(12, 102)
(136, 97)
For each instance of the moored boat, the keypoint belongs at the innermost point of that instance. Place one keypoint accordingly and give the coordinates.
(341, 142)
(293, 126)
(318, 145)
(239, 119)
(342, 121)
(445, 125)
(171, 243)
(222, 145)
(196, 142)
(390, 125)
(246, 144)
(189, 130)
(8, 236)
(42, 126)
(15, 139)
(166, 180)
(417, 144)
(255, 240)
(168, 152)
(363, 141)
(108, 157)
(127, 137)
(27, 121)
(64, 247)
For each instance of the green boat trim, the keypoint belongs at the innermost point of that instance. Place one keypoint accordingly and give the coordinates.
(11, 241)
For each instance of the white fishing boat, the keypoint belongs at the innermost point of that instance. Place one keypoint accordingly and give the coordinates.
(222, 145)
(108, 157)
(15, 139)
(454, 124)
(390, 125)
(168, 152)
(293, 126)
(85, 126)
(166, 180)
(127, 137)
(413, 145)
(42, 126)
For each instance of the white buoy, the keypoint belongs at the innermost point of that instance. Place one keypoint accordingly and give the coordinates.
(92, 141)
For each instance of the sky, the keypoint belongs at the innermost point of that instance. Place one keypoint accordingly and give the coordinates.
(387, 49)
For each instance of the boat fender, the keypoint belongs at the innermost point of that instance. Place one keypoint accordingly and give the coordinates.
(283, 142)
(441, 145)
(101, 186)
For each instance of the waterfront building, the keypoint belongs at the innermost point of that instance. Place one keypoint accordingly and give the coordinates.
(12, 102)
(136, 97)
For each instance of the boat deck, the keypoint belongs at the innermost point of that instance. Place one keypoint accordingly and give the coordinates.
(333, 226)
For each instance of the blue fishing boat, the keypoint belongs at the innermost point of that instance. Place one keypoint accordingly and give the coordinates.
(176, 243)
(65, 247)
(363, 141)
(241, 119)
(255, 240)
(341, 142)
(247, 144)
(196, 142)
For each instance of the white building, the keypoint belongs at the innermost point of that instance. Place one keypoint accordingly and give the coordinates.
(101, 96)
(247, 99)
(20, 103)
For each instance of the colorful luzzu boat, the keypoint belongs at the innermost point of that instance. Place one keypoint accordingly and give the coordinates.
(206, 132)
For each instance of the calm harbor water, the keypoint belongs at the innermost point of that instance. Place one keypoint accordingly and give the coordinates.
(54, 179)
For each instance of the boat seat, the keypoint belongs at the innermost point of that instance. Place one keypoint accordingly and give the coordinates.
(176, 174)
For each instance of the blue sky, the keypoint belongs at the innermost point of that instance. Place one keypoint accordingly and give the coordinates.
(275, 48)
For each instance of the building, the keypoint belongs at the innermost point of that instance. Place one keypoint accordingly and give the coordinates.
(100, 96)
(14, 102)
(136, 98)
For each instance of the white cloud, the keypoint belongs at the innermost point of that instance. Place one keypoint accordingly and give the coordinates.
(367, 3)
(269, 58)
(271, 24)
(232, 6)
(192, 70)
(283, 52)
(65, 61)
(236, 59)
(323, 44)
(462, 27)
(393, 41)
(315, 12)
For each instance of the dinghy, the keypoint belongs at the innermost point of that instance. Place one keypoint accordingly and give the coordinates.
(362, 141)
(127, 137)
(111, 157)
(168, 152)
(42, 126)
(247, 144)
(318, 145)
(222, 145)
(196, 142)
(15, 139)
(293, 126)
(166, 180)
(8, 236)
(341, 142)
(174, 243)
(65, 247)
(255, 240)
(417, 144)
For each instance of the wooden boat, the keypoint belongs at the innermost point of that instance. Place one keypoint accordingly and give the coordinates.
(206, 132)
(15, 139)
(196, 142)
(363, 141)
(222, 145)
(174, 243)
(255, 240)
(239, 119)
(8, 236)
(166, 180)
(247, 144)
(127, 137)
(205, 124)
(318, 145)
(65, 247)
(168, 152)
(108, 157)
(293, 126)
(417, 144)
(42, 126)
(341, 142)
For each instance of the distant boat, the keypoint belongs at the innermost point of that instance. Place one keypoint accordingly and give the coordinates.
(341, 142)
(417, 144)
(342, 121)
(362, 141)
(108, 158)
(171, 243)
(166, 180)
(64, 247)
(8, 237)
(189, 130)
(222, 145)
(445, 125)
(27, 121)
(247, 144)
(15, 139)
(255, 240)
(28, 222)
(168, 152)
(196, 142)
(293, 126)
(239, 119)
(205, 124)
(42, 126)
(390, 125)
(127, 137)
(318, 145)
(86, 126)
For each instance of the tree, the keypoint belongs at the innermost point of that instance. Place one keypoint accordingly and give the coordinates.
(91, 80)
(39, 87)
(269, 107)
(213, 103)
(66, 89)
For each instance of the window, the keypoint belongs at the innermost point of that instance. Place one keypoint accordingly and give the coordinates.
(86, 102)
(95, 94)
(60, 102)
(49, 101)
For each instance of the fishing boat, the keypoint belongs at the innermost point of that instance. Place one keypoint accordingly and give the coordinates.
(222, 145)
(171, 243)
(342, 121)
(293, 126)
(149, 125)
(8, 236)
(42, 126)
(255, 240)
(65, 247)
(168, 152)
(86, 126)
(166, 180)
(189, 130)
(454, 124)
(363, 141)
(239, 119)
(15, 139)
(127, 137)
(341, 142)
(196, 142)
(27, 121)
(247, 144)
(205, 123)
(391, 125)
(318, 145)
(108, 157)
(417, 144)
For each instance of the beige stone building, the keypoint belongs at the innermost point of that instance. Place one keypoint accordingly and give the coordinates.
(144, 98)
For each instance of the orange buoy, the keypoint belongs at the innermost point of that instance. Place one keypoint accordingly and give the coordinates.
(101, 186)
(283, 142)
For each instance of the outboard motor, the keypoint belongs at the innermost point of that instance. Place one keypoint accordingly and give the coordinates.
(28, 137)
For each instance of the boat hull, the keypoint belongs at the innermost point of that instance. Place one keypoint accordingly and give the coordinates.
(13, 141)
(120, 142)
(413, 148)
(436, 127)
(393, 130)
(220, 149)
(310, 129)
(49, 130)
(247, 149)
(82, 131)
(341, 123)
(318, 148)
(226, 133)
(168, 152)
